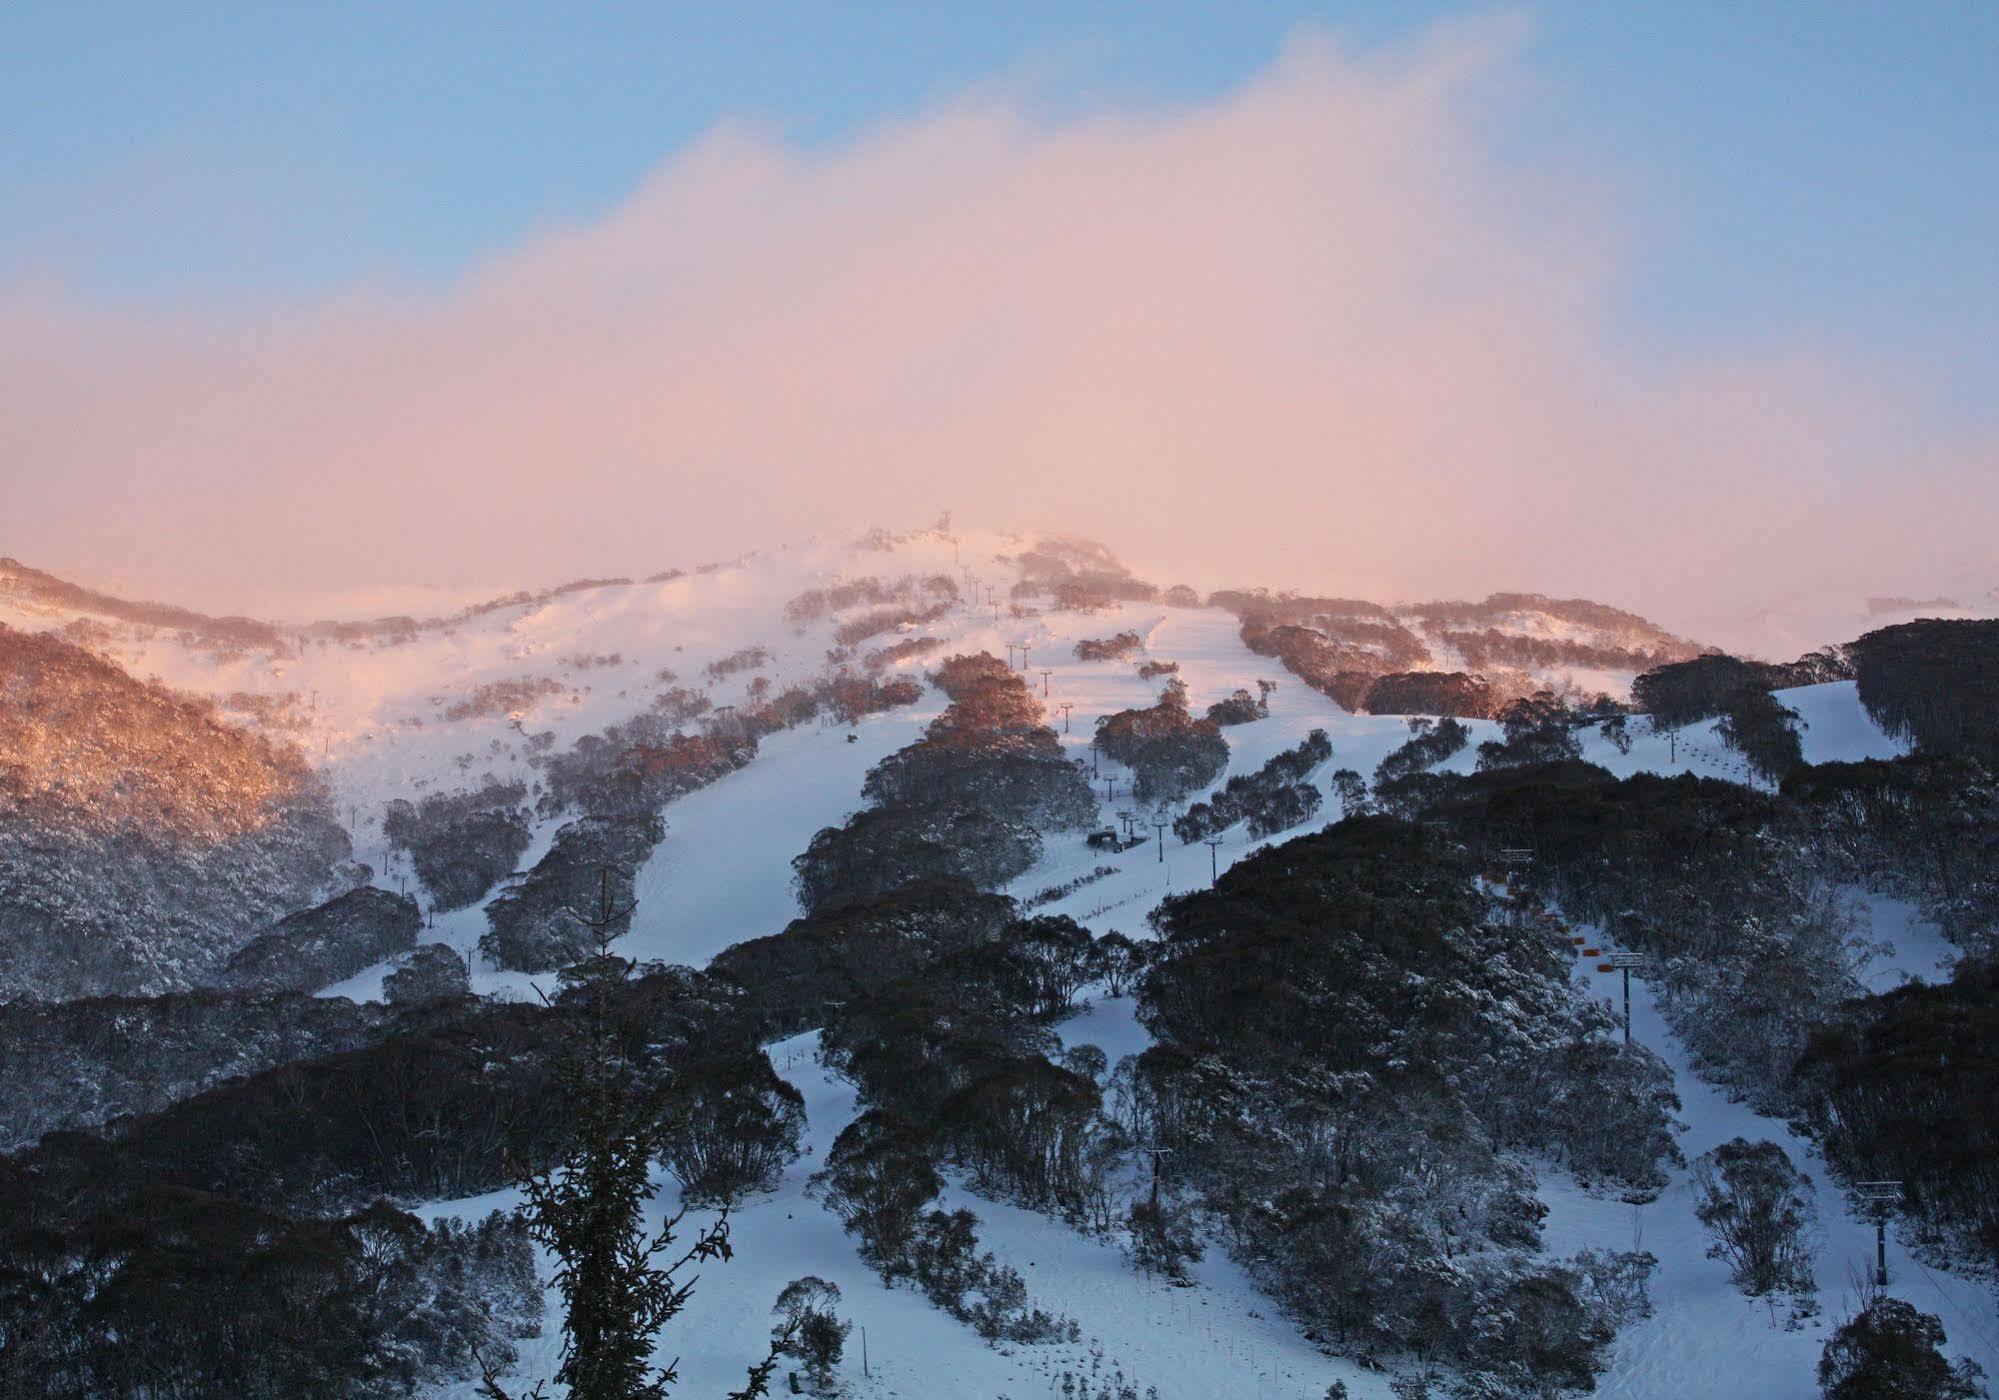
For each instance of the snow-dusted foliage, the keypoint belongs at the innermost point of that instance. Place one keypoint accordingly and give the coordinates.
(533, 924)
(1274, 798)
(1754, 944)
(322, 945)
(794, 979)
(1170, 752)
(1348, 1042)
(1936, 682)
(435, 970)
(142, 840)
(200, 1295)
(99, 1058)
(462, 843)
(967, 801)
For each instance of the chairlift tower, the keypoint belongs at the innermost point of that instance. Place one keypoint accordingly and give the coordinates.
(1065, 707)
(1627, 963)
(1159, 824)
(1213, 843)
(1045, 674)
(1883, 1196)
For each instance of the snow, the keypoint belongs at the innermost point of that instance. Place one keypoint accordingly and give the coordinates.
(1837, 727)
(723, 874)
(1216, 1338)
(1705, 1338)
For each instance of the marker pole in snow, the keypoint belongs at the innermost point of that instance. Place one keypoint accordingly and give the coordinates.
(1883, 1194)
(864, 1352)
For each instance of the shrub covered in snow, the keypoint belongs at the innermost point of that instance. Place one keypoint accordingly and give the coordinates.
(461, 843)
(316, 947)
(1170, 752)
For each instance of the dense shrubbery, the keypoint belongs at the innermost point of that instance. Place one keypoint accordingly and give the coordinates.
(1890, 1350)
(734, 1127)
(530, 926)
(1343, 673)
(1935, 683)
(1335, 1077)
(794, 979)
(961, 1045)
(317, 947)
(1170, 752)
(632, 770)
(967, 801)
(142, 840)
(1537, 728)
(432, 971)
(1114, 648)
(1738, 693)
(1432, 693)
(1754, 943)
(511, 697)
(1241, 707)
(461, 843)
(1765, 732)
(185, 1236)
(1925, 828)
(178, 1293)
(1274, 798)
(749, 658)
(98, 1059)
(1491, 649)
(816, 603)
(1905, 1087)
(1428, 745)
(1759, 1208)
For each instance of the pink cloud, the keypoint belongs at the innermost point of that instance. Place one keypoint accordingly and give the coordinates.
(1311, 334)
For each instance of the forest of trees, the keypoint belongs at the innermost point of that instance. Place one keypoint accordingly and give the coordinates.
(1169, 751)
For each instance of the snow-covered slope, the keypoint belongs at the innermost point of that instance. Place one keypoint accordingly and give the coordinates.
(375, 713)
(1706, 1339)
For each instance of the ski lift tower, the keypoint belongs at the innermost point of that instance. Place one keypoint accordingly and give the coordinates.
(1882, 1195)
(1516, 859)
(1627, 963)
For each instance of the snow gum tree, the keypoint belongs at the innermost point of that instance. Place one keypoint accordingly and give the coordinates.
(1759, 1208)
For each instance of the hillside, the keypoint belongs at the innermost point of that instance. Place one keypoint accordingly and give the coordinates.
(908, 824)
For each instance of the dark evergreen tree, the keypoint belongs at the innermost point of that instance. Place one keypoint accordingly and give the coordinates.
(619, 1280)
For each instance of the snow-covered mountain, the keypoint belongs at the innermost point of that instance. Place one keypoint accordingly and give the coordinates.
(760, 695)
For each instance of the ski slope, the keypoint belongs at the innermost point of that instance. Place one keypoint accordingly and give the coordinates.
(1705, 1340)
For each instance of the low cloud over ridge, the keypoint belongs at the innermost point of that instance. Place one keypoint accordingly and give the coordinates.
(1314, 333)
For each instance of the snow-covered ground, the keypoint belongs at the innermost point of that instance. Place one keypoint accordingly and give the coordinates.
(373, 715)
(1218, 1338)
(1705, 1338)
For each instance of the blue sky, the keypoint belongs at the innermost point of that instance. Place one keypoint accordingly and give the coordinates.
(1830, 168)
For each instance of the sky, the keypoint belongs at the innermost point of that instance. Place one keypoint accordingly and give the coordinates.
(1687, 307)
